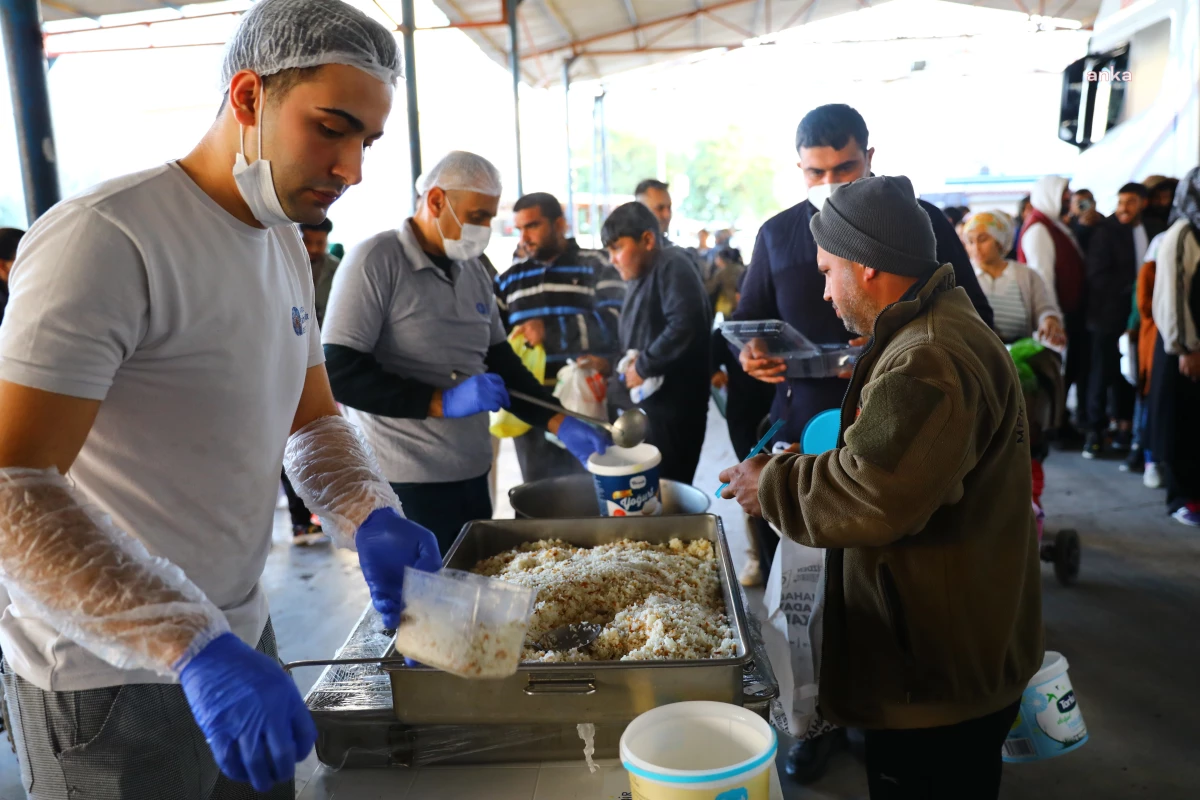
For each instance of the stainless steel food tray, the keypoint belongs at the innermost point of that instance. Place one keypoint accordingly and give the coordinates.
(601, 691)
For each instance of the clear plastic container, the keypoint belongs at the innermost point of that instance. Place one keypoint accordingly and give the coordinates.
(804, 359)
(464, 624)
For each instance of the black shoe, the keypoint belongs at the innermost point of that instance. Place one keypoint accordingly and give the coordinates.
(1136, 462)
(808, 760)
(1122, 441)
(1093, 446)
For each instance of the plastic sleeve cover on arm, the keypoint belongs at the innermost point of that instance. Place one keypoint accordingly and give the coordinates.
(334, 471)
(66, 560)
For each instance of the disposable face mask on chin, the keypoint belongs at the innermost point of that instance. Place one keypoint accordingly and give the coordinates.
(817, 195)
(471, 242)
(254, 181)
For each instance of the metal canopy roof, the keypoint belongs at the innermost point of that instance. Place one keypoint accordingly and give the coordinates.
(606, 37)
(56, 10)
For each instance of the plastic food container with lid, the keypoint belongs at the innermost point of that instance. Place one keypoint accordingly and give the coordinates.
(462, 623)
(777, 339)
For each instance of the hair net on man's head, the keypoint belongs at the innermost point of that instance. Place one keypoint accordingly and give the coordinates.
(464, 172)
(275, 35)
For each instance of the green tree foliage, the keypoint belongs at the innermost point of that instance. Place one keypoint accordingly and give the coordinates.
(727, 183)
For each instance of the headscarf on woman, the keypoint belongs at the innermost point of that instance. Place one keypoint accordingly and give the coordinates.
(998, 225)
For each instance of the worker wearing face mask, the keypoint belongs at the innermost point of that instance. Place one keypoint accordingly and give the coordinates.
(158, 362)
(416, 351)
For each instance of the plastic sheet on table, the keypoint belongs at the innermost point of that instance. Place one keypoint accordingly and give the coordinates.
(352, 707)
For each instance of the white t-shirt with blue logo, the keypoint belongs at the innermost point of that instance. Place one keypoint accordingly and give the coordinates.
(195, 330)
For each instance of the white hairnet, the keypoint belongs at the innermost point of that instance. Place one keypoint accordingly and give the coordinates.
(275, 35)
(462, 171)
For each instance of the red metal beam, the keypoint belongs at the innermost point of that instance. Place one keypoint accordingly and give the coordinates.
(799, 13)
(739, 30)
(148, 24)
(637, 51)
(579, 43)
(665, 32)
(54, 53)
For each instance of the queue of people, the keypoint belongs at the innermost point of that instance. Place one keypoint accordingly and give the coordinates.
(1102, 275)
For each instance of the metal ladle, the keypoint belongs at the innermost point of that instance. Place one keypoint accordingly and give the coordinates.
(628, 431)
(576, 636)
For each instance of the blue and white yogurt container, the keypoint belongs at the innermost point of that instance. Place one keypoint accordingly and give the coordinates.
(1049, 723)
(626, 480)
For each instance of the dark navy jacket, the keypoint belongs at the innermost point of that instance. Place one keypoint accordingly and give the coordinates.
(783, 282)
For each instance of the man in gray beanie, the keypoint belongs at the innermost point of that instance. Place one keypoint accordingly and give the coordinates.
(932, 621)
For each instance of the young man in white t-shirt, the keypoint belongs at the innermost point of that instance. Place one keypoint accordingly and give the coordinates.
(162, 351)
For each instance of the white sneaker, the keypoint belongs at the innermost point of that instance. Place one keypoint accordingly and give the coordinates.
(1189, 518)
(751, 574)
(1150, 478)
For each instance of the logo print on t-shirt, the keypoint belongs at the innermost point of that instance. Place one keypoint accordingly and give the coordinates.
(481, 308)
(298, 320)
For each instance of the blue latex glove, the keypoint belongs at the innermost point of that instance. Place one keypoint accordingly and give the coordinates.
(582, 439)
(250, 712)
(387, 543)
(475, 395)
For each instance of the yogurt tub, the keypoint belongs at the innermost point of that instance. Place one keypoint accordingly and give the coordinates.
(1049, 722)
(626, 480)
(699, 750)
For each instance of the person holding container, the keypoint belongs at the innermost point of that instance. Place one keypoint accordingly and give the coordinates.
(932, 600)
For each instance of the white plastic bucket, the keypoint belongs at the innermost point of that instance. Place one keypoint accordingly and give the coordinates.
(1049, 722)
(699, 750)
(626, 480)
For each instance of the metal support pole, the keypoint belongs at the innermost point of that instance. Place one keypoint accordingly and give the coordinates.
(594, 188)
(567, 129)
(514, 65)
(605, 162)
(22, 25)
(409, 20)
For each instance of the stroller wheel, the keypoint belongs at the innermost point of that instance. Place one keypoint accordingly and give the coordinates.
(1067, 554)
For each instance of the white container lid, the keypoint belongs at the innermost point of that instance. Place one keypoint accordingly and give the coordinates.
(1053, 665)
(618, 461)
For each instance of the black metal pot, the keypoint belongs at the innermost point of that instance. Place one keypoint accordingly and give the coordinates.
(574, 496)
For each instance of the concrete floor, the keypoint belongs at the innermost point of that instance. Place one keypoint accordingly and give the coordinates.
(1128, 629)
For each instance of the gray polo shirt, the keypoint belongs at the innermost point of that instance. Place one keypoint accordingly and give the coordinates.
(389, 299)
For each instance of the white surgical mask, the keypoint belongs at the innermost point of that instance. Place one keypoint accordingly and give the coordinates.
(817, 195)
(471, 242)
(254, 181)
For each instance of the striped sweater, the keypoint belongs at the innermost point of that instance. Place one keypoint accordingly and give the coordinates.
(578, 297)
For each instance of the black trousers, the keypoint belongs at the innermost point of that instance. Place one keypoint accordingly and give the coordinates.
(677, 430)
(1077, 364)
(540, 458)
(1175, 427)
(296, 508)
(1108, 393)
(445, 508)
(954, 762)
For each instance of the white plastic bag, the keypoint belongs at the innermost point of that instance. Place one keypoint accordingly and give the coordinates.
(792, 635)
(584, 391)
(648, 386)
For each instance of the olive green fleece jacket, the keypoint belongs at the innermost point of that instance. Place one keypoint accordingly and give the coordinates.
(933, 608)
